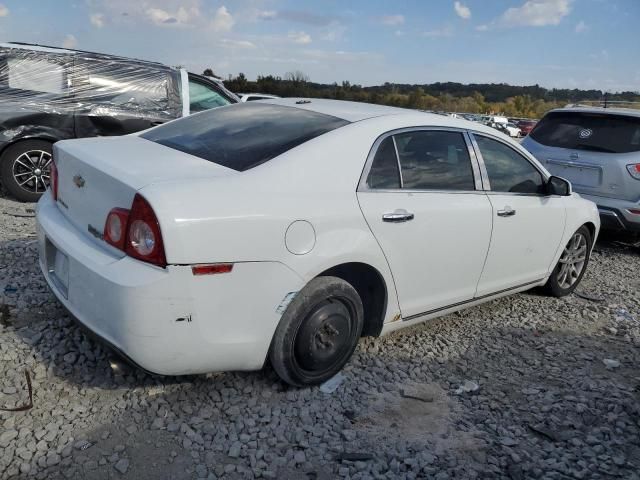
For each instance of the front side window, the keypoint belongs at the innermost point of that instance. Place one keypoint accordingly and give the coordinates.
(509, 171)
(203, 97)
(434, 160)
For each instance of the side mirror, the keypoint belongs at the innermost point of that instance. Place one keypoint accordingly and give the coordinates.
(558, 186)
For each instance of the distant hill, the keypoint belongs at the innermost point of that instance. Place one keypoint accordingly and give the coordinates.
(520, 101)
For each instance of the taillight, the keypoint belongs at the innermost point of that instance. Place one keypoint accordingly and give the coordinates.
(54, 180)
(115, 228)
(143, 237)
(634, 170)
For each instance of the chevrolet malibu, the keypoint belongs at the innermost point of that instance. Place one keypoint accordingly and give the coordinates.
(284, 230)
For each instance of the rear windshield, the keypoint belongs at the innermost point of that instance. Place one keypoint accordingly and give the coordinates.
(244, 135)
(589, 131)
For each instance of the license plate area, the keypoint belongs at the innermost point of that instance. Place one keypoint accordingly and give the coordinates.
(577, 173)
(57, 268)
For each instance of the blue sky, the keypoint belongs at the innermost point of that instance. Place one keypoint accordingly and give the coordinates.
(555, 43)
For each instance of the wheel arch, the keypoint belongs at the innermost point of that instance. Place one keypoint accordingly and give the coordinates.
(16, 141)
(372, 289)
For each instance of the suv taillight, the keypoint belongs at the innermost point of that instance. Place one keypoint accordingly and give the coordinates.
(54, 180)
(144, 240)
(634, 170)
(136, 232)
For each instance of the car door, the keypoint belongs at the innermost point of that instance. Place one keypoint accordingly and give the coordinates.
(422, 198)
(117, 97)
(527, 223)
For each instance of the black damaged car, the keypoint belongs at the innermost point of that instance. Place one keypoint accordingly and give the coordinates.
(49, 94)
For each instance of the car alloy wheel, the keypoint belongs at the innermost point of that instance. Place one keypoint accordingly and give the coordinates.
(324, 338)
(32, 170)
(572, 260)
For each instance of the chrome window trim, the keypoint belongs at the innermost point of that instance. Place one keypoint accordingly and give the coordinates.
(364, 187)
(483, 167)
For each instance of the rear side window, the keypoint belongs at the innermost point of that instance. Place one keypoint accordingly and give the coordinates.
(244, 135)
(121, 84)
(434, 160)
(37, 75)
(589, 131)
(384, 171)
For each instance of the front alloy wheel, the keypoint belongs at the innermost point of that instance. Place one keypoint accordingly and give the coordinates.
(25, 169)
(572, 264)
(32, 171)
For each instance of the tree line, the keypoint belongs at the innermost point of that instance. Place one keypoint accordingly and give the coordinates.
(530, 101)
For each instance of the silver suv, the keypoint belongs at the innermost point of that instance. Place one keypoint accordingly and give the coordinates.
(598, 151)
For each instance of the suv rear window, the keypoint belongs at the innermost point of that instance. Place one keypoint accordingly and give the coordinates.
(597, 132)
(244, 135)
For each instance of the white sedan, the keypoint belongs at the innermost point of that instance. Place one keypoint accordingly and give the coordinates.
(286, 229)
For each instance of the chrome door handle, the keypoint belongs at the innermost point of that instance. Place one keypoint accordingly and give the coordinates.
(507, 212)
(398, 216)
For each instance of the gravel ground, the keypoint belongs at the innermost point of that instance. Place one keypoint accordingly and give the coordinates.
(522, 387)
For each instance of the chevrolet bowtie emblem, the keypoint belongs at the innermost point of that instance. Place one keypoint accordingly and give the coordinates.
(78, 180)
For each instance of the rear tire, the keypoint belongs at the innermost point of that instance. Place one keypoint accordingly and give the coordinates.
(317, 333)
(25, 169)
(572, 264)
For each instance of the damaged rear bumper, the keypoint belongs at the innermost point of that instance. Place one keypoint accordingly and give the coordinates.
(167, 321)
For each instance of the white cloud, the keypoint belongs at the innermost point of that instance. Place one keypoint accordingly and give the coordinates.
(181, 17)
(238, 43)
(97, 20)
(482, 28)
(69, 42)
(302, 38)
(267, 15)
(223, 21)
(536, 13)
(462, 10)
(581, 27)
(392, 20)
(4, 11)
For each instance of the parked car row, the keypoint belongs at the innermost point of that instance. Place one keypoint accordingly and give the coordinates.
(286, 229)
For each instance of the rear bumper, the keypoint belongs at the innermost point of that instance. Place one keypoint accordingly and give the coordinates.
(167, 321)
(615, 214)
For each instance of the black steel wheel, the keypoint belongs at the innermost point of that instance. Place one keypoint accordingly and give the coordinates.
(318, 332)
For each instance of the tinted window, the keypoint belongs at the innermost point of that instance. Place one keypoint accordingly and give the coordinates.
(508, 170)
(434, 160)
(243, 135)
(203, 97)
(589, 131)
(384, 168)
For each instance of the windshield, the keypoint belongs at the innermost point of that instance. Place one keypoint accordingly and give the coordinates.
(245, 135)
(597, 132)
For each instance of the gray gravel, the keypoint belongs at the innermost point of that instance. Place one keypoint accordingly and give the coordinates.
(523, 387)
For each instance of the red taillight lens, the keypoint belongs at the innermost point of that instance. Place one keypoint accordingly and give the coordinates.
(54, 180)
(115, 228)
(143, 238)
(634, 170)
(212, 269)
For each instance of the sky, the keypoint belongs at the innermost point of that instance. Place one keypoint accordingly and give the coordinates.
(591, 44)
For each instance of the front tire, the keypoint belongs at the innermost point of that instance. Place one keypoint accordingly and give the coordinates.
(572, 264)
(317, 333)
(25, 169)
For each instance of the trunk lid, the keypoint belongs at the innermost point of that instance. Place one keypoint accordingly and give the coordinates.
(98, 174)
